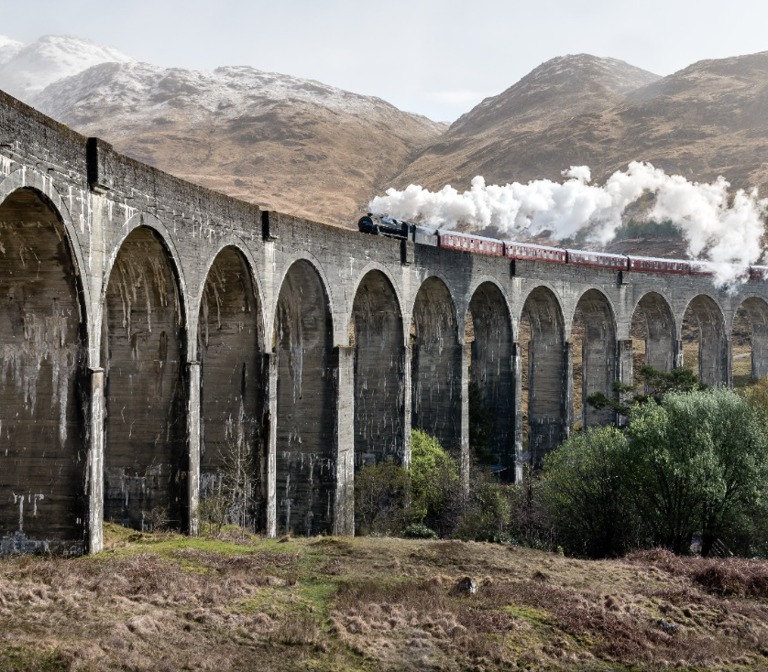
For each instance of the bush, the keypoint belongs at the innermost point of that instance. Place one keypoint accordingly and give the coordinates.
(699, 464)
(381, 499)
(585, 493)
(488, 512)
(435, 487)
(419, 531)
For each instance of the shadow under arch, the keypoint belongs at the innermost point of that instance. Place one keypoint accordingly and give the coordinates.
(43, 384)
(145, 453)
(376, 333)
(436, 355)
(749, 341)
(653, 334)
(704, 341)
(488, 333)
(546, 379)
(593, 342)
(232, 412)
(306, 404)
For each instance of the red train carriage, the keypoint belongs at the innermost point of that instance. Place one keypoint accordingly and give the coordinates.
(656, 265)
(616, 262)
(702, 268)
(529, 252)
(465, 242)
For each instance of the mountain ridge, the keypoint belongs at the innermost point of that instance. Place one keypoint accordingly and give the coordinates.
(310, 149)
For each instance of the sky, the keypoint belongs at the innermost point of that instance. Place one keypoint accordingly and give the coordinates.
(436, 58)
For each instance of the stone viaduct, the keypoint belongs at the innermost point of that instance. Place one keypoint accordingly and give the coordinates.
(150, 329)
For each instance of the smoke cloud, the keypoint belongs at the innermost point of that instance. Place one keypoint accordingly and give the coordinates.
(719, 227)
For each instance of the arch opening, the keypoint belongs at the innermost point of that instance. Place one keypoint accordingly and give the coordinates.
(488, 335)
(43, 346)
(593, 343)
(705, 346)
(377, 337)
(436, 354)
(544, 381)
(145, 455)
(306, 398)
(232, 460)
(749, 342)
(652, 332)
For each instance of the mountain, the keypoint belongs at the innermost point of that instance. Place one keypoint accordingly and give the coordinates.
(499, 138)
(27, 70)
(303, 147)
(708, 119)
(8, 48)
(291, 144)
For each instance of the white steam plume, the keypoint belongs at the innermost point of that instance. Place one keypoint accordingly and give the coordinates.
(726, 231)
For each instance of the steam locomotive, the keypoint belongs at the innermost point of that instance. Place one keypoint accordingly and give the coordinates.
(384, 225)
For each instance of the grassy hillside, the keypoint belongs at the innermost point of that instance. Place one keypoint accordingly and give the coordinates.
(164, 602)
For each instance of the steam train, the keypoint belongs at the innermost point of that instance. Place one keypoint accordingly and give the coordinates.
(384, 225)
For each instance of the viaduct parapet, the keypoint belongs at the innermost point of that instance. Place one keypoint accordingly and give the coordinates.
(152, 331)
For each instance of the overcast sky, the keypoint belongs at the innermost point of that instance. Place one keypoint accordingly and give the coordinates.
(437, 58)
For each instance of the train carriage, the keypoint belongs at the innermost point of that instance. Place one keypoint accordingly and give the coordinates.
(530, 252)
(658, 265)
(616, 262)
(465, 242)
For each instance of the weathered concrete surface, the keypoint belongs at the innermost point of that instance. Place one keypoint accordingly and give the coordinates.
(232, 458)
(149, 326)
(42, 355)
(145, 464)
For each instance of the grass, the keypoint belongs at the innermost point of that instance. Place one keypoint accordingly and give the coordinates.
(167, 602)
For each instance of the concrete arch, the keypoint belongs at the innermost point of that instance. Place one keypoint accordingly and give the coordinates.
(593, 325)
(436, 361)
(445, 281)
(545, 367)
(379, 394)
(43, 384)
(143, 344)
(151, 222)
(233, 387)
(749, 339)
(489, 334)
(653, 332)
(704, 321)
(250, 264)
(570, 316)
(393, 282)
(289, 262)
(482, 280)
(42, 184)
(306, 403)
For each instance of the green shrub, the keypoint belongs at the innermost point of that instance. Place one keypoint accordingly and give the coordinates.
(381, 499)
(488, 512)
(585, 493)
(419, 531)
(435, 487)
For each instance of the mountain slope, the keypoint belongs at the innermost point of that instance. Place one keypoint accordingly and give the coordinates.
(8, 48)
(291, 144)
(27, 70)
(494, 138)
(706, 120)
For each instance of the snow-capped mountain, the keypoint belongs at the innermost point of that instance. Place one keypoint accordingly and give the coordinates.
(136, 92)
(8, 48)
(27, 70)
(291, 144)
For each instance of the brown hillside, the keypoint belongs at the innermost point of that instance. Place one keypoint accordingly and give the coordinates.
(706, 120)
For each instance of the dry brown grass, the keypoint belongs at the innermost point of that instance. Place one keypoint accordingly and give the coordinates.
(156, 602)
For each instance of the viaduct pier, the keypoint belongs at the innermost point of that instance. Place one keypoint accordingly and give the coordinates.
(150, 329)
